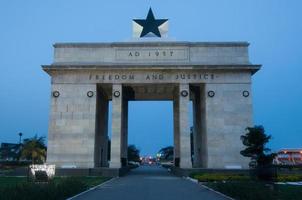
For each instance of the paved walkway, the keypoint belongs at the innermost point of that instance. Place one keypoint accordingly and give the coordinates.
(148, 183)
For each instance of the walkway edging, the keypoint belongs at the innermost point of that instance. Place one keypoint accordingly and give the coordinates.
(208, 188)
(93, 188)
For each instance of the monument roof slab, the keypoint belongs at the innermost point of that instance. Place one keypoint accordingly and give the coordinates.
(151, 44)
(152, 53)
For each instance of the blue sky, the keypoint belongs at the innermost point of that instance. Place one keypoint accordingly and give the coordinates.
(29, 28)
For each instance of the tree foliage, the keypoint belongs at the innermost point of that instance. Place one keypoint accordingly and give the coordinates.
(166, 153)
(133, 153)
(34, 149)
(255, 141)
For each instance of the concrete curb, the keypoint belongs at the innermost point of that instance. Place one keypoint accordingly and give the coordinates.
(221, 194)
(93, 188)
(207, 188)
(192, 179)
(289, 183)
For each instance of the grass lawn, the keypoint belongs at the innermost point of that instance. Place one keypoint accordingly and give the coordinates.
(253, 190)
(243, 186)
(11, 180)
(58, 188)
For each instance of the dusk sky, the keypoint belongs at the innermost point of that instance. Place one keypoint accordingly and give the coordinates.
(28, 29)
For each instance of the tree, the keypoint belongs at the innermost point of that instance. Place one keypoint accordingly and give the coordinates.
(255, 140)
(34, 149)
(133, 153)
(166, 153)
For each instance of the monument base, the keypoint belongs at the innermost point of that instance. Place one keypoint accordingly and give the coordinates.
(104, 172)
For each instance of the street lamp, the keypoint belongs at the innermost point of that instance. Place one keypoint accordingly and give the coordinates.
(20, 134)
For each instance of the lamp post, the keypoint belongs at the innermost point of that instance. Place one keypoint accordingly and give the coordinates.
(20, 134)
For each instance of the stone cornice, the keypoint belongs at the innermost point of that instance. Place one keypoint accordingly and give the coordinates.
(151, 44)
(115, 66)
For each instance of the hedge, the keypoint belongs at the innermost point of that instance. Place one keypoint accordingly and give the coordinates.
(211, 177)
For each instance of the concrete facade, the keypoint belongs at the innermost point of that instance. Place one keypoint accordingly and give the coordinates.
(216, 77)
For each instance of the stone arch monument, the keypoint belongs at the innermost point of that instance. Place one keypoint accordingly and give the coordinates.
(215, 76)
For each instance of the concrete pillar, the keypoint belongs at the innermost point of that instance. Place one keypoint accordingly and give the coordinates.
(124, 153)
(101, 137)
(176, 128)
(199, 140)
(116, 138)
(196, 126)
(228, 113)
(203, 131)
(184, 129)
(72, 128)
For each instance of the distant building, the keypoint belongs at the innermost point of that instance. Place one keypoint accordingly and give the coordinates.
(9, 151)
(289, 157)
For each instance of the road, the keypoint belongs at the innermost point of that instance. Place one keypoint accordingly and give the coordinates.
(148, 183)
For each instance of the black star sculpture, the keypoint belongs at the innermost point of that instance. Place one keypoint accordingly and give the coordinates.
(150, 24)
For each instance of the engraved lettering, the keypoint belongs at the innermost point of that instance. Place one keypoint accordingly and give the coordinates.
(124, 77)
(152, 53)
(153, 76)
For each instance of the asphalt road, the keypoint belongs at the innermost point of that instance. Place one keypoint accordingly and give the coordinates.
(148, 183)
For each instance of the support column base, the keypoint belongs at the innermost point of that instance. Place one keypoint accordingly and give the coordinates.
(115, 165)
(100, 171)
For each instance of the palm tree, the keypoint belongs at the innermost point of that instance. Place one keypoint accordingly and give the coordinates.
(34, 149)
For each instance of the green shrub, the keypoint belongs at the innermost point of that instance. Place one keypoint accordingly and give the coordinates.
(211, 177)
(289, 177)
